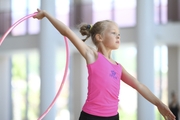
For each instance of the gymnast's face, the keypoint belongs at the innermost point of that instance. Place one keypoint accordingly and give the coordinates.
(111, 36)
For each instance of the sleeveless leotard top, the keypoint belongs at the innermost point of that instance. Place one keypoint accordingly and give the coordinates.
(103, 87)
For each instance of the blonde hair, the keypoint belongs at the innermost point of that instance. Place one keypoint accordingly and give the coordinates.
(91, 30)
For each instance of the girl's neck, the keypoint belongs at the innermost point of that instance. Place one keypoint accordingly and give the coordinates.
(106, 52)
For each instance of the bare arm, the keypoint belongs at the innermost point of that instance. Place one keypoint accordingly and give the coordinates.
(65, 31)
(142, 89)
(147, 94)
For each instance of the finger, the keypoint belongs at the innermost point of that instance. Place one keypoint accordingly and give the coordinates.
(34, 16)
(171, 118)
(38, 10)
(165, 117)
(171, 115)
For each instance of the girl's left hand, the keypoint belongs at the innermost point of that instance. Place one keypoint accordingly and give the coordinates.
(165, 112)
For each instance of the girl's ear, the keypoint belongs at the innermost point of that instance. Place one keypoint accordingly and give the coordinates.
(98, 37)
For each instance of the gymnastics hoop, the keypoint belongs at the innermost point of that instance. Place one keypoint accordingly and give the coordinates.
(66, 66)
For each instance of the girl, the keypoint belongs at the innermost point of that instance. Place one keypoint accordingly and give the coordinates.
(104, 73)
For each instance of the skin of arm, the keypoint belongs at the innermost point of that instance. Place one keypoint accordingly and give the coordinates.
(147, 94)
(142, 89)
(65, 31)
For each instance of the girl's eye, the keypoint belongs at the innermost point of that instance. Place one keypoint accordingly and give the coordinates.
(114, 33)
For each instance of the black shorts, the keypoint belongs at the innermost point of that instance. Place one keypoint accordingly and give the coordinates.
(86, 116)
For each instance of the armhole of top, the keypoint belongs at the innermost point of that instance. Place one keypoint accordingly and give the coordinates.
(97, 57)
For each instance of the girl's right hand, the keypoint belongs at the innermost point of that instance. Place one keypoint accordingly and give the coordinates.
(165, 112)
(40, 14)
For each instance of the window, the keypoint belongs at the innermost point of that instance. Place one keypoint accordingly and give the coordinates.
(120, 11)
(32, 26)
(29, 26)
(160, 11)
(25, 85)
(62, 10)
(103, 12)
(125, 12)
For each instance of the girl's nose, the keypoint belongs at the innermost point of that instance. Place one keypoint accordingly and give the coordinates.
(118, 37)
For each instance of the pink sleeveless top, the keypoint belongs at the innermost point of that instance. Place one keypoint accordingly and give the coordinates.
(103, 88)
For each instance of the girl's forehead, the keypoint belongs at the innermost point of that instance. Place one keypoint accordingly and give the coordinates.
(112, 26)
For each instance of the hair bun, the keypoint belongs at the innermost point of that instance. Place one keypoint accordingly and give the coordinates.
(85, 30)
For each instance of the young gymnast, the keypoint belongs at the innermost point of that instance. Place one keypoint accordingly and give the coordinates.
(105, 74)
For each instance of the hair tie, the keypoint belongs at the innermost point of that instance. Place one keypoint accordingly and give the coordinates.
(89, 27)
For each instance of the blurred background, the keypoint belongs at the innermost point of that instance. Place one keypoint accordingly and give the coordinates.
(33, 56)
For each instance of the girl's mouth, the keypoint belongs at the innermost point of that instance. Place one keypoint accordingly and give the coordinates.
(117, 42)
